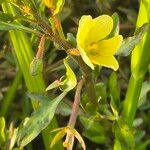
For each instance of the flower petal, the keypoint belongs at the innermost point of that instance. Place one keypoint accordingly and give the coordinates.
(101, 27)
(109, 62)
(83, 30)
(86, 58)
(110, 46)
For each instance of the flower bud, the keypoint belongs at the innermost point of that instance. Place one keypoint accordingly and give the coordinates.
(55, 5)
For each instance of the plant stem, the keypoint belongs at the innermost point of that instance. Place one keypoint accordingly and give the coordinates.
(76, 104)
(139, 64)
(57, 24)
(40, 51)
(131, 100)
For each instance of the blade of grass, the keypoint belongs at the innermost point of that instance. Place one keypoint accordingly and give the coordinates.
(10, 95)
(139, 65)
(24, 56)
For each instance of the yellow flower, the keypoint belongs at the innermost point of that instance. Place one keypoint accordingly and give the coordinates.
(55, 5)
(49, 3)
(92, 43)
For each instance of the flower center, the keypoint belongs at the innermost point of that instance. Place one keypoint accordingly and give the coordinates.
(92, 49)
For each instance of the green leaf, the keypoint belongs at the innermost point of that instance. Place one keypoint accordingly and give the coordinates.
(90, 123)
(16, 26)
(128, 136)
(94, 131)
(125, 133)
(90, 108)
(137, 122)
(139, 135)
(13, 138)
(115, 30)
(145, 89)
(40, 119)
(129, 43)
(94, 137)
(65, 13)
(114, 90)
(5, 17)
(3, 1)
(117, 145)
(67, 82)
(70, 80)
(59, 6)
(2, 128)
(40, 97)
(114, 108)
(36, 66)
(64, 109)
(143, 146)
(71, 39)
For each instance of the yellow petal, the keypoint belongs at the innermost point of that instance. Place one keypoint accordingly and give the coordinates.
(86, 58)
(109, 62)
(84, 27)
(108, 47)
(48, 3)
(101, 27)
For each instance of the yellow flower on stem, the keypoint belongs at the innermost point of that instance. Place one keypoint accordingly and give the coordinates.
(93, 44)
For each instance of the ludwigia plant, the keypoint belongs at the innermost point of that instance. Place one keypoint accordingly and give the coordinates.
(58, 68)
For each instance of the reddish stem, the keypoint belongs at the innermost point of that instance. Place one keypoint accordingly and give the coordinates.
(40, 52)
(76, 104)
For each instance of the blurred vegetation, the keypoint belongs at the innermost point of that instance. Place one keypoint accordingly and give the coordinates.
(97, 132)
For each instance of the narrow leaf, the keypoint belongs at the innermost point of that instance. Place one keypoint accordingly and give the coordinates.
(38, 121)
(36, 66)
(145, 89)
(3, 1)
(117, 145)
(2, 128)
(14, 26)
(114, 109)
(127, 134)
(40, 97)
(5, 17)
(114, 89)
(71, 39)
(57, 137)
(115, 30)
(129, 43)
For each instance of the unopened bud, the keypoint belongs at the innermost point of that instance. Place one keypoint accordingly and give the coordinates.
(36, 66)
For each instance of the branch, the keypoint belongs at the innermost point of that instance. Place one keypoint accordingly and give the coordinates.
(76, 104)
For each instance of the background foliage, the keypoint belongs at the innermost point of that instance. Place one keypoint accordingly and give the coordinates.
(100, 131)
